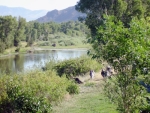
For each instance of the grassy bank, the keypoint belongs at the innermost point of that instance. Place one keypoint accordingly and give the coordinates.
(40, 46)
(11, 51)
(91, 99)
(65, 47)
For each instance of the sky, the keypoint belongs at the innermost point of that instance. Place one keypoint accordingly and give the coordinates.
(39, 4)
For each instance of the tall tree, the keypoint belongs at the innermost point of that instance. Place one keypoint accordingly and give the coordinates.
(123, 10)
(19, 34)
(8, 26)
(127, 50)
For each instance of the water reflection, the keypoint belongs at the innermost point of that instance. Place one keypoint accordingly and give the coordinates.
(24, 62)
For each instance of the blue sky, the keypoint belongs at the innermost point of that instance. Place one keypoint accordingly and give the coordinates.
(39, 4)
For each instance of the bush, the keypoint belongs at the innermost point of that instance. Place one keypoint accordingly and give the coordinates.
(33, 92)
(73, 88)
(46, 43)
(68, 43)
(77, 66)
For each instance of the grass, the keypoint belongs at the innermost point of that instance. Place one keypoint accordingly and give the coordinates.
(63, 41)
(11, 51)
(66, 47)
(24, 49)
(90, 100)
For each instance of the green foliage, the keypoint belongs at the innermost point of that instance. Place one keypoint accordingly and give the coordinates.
(33, 92)
(90, 100)
(47, 31)
(73, 88)
(8, 26)
(123, 10)
(77, 66)
(127, 50)
(19, 34)
(63, 40)
(2, 46)
(13, 31)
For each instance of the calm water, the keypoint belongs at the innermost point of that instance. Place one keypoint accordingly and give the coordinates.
(30, 61)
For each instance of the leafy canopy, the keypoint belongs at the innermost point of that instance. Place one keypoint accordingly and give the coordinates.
(123, 10)
(127, 50)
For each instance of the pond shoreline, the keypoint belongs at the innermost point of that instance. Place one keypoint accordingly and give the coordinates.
(36, 60)
(40, 49)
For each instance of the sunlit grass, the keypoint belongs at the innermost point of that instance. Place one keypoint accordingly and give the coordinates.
(91, 99)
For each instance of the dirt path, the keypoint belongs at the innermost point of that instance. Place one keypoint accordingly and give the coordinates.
(90, 95)
(97, 77)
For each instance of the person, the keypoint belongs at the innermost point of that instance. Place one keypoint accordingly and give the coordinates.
(91, 74)
(109, 71)
(103, 73)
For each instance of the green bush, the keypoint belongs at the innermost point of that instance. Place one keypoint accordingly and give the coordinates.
(73, 88)
(61, 44)
(33, 92)
(68, 43)
(44, 44)
(77, 66)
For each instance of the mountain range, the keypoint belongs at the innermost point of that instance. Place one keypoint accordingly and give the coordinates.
(19, 11)
(61, 15)
(64, 15)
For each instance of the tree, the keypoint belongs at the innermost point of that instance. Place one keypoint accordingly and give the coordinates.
(19, 34)
(7, 30)
(123, 10)
(127, 50)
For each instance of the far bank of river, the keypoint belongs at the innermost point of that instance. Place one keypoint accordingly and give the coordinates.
(36, 59)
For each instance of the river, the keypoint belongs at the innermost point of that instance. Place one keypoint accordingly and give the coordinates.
(30, 61)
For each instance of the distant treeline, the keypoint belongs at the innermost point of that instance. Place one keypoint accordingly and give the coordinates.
(13, 30)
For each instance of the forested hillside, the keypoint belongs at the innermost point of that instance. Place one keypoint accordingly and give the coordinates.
(13, 31)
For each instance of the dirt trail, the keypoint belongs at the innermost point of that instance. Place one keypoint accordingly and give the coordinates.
(71, 101)
(97, 77)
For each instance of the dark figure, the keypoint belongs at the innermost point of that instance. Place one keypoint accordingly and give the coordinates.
(145, 111)
(77, 80)
(103, 73)
(147, 86)
(44, 68)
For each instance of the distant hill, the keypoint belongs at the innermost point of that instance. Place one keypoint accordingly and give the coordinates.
(61, 15)
(19, 11)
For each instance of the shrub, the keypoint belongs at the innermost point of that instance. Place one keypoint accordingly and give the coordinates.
(33, 92)
(61, 44)
(77, 66)
(46, 43)
(68, 43)
(73, 88)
